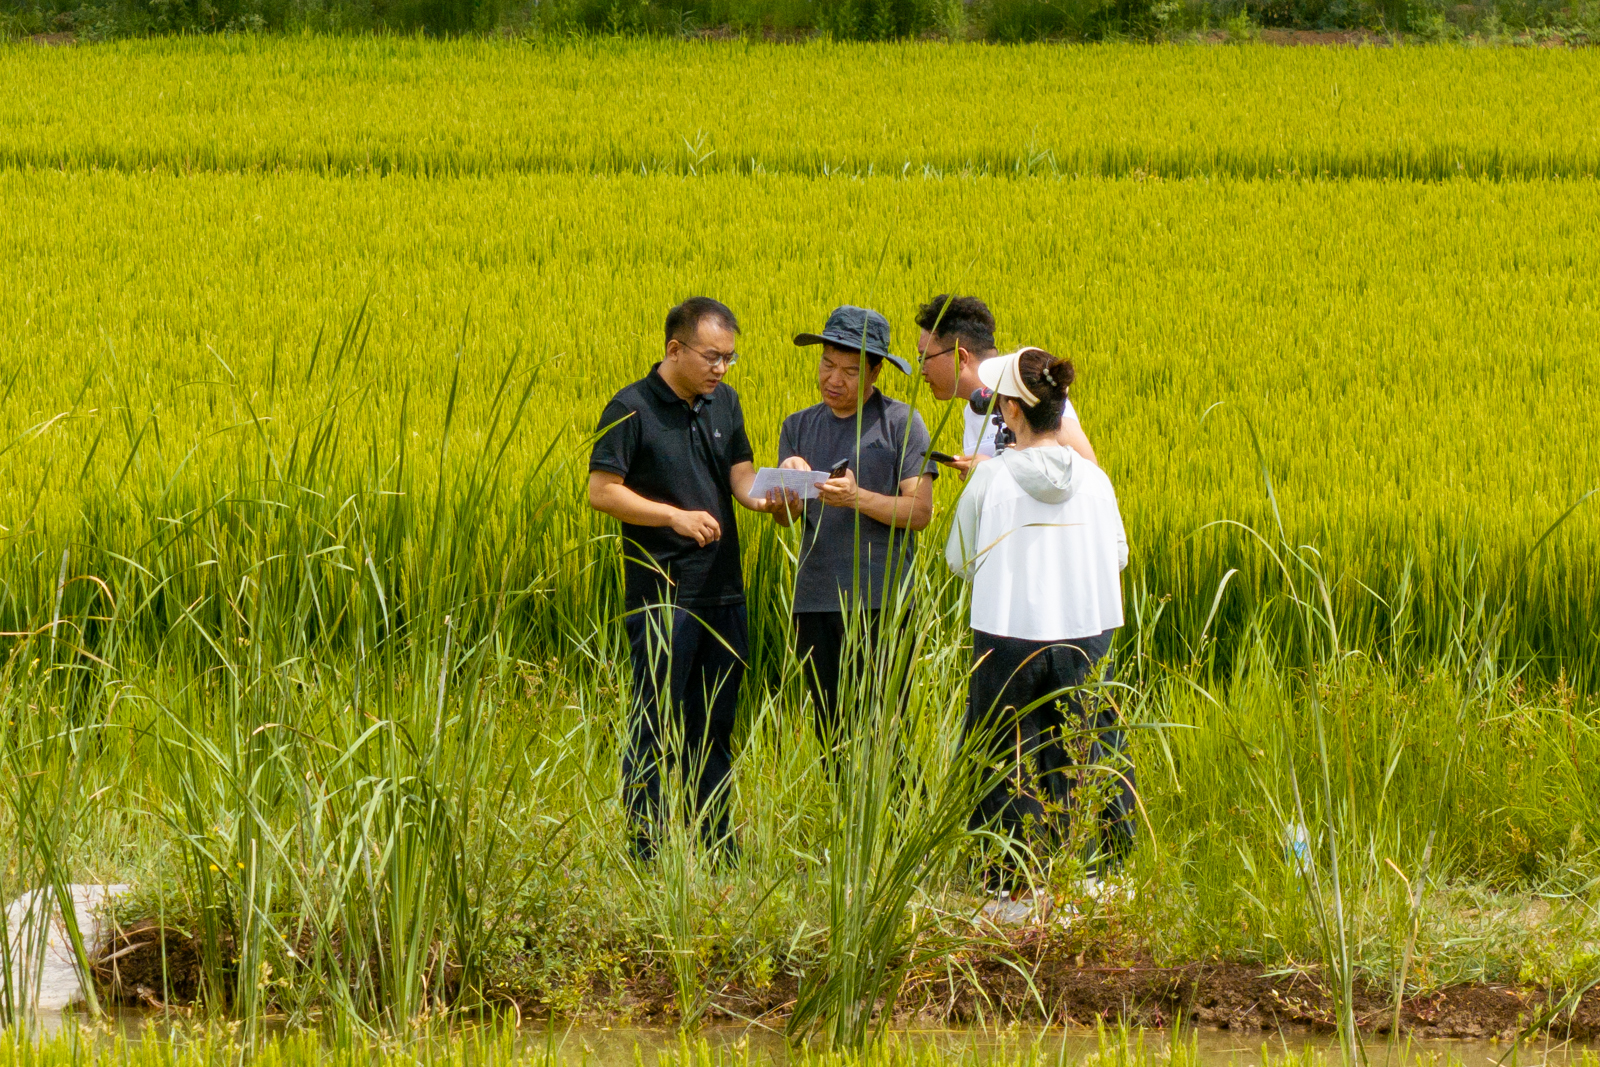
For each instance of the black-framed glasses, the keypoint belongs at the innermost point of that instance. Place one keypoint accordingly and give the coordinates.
(923, 358)
(728, 360)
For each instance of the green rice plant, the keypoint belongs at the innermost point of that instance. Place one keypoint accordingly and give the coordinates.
(1307, 592)
(477, 108)
(1382, 451)
(705, 901)
(312, 633)
(371, 895)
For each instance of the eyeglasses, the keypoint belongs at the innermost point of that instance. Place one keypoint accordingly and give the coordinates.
(728, 360)
(922, 359)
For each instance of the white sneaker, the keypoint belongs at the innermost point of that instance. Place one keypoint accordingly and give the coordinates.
(1005, 911)
(1102, 891)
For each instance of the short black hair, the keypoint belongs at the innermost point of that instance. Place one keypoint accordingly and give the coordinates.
(964, 318)
(685, 318)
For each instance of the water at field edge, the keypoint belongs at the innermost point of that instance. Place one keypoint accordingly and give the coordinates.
(597, 1047)
(587, 1045)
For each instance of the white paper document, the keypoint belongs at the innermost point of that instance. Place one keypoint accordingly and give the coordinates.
(802, 483)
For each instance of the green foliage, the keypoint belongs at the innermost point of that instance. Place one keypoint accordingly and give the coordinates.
(1422, 434)
(308, 627)
(1004, 21)
(483, 109)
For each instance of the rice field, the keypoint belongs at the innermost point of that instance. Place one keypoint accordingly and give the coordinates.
(1415, 358)
(311, 637)
(475, 108)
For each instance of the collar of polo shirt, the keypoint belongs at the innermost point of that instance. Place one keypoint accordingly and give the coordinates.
(665, 391)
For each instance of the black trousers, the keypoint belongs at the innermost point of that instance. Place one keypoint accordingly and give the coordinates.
(1009, 674)
(688, 664)
(819, 639)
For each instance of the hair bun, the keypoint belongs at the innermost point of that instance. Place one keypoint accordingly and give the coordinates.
(1062, 373)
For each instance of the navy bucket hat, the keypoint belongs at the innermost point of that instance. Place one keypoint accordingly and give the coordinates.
(858, 330)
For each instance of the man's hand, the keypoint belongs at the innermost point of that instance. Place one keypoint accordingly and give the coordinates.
(607, 493)
(785, 503)
(963, 464)
(699, 526)
(841, 492)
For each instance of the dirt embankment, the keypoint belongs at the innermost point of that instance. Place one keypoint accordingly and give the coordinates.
(1034, 975)
(1248, 996)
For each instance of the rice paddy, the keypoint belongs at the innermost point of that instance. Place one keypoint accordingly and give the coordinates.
(311, 637)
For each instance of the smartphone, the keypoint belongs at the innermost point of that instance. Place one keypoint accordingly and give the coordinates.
(940, 457)
(839, 468)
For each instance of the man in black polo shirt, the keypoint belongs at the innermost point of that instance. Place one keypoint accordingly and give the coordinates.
(671, 459)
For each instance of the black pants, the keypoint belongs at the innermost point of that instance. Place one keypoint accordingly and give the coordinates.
(688, 664)
(819, 639)
(1009, 674)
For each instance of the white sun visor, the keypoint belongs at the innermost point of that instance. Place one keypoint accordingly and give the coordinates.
(1003, 374)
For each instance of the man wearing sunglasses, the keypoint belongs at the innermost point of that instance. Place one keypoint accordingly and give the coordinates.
(670, 459)
(957, 335)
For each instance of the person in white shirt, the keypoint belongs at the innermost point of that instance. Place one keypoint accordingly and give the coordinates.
(957, 336)
(1038, 534)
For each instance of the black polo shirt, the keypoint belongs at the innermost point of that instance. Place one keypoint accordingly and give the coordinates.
(680, 454)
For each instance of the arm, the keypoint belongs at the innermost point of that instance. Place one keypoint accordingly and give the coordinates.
(911, 508)
(740, 478)
(607, 494)
(1071, 434)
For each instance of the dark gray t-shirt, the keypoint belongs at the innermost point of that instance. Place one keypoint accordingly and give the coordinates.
(888, 454)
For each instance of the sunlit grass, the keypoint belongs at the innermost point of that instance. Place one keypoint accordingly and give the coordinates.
(311, 635)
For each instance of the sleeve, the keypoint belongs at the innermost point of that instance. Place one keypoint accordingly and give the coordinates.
(1068, 411)
(617, 440)
(739, 450)
(1117, 530)
(1122, 540)
(971, 434)
(961, 550)
(788, 447)
(914, 459)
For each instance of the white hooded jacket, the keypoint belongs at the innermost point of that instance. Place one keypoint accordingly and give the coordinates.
(1038, 533)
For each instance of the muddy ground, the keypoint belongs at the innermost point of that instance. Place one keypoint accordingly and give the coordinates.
(144, 966)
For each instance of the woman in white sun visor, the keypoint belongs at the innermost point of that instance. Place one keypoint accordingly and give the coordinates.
(1038, 534)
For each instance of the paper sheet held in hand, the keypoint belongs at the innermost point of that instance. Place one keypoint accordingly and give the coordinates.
(802, 483)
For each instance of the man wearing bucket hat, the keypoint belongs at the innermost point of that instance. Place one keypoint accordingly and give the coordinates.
(1038, 533)
(860, 535)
